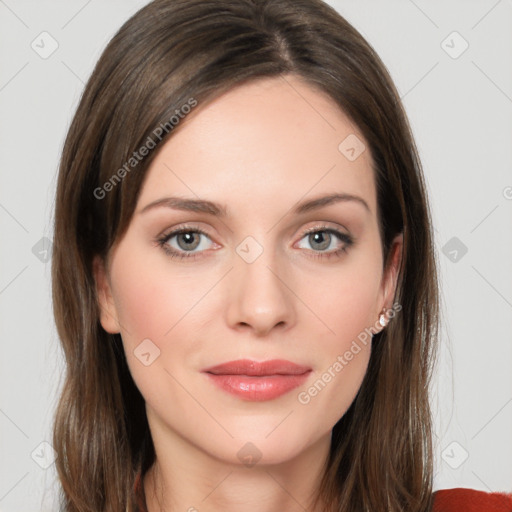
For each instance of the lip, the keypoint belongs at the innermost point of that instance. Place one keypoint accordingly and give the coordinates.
(258, 381)
(254, 368)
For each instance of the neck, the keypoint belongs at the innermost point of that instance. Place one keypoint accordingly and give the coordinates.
(202, 482)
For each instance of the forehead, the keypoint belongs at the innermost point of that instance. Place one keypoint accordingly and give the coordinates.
(274, 138)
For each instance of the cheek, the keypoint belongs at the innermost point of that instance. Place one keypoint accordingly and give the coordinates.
(156, 304)
(150, 300)
(140, 305)
(343, 358)
(151, 306)
(344, 299)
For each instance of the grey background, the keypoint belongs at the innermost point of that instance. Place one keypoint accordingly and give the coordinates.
(460, 110)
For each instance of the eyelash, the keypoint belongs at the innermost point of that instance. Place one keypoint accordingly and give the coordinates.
(172, 253)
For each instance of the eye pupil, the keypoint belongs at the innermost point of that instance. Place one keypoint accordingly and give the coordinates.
(189, 240)
(322, 238)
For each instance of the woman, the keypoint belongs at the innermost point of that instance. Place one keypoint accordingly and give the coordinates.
(244, 279)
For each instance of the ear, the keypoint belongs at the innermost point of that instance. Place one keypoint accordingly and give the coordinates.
(108, 312)
(391, 273)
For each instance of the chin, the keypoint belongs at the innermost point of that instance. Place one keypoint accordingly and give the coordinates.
(261, 448)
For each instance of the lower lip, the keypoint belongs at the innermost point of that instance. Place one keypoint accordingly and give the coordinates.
(258, 389)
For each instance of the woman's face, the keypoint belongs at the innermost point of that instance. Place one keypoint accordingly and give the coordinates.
(266, 270)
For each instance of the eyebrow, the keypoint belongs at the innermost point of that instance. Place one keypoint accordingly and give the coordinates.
(218, 210)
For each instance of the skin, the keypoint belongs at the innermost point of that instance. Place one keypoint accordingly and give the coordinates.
(258, 149)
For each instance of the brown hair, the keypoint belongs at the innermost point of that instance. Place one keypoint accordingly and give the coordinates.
(166, 54)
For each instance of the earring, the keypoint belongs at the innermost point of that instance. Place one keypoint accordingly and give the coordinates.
(382, 320)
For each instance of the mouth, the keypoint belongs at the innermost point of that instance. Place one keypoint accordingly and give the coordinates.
(257, 369)
(255, 381)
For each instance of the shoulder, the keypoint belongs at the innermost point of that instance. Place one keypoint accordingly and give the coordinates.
(469, 500)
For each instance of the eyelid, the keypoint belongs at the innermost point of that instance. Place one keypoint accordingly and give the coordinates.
(325, 226)
(184, 228)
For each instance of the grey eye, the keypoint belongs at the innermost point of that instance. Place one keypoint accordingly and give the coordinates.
(320, 240)
(189, 240)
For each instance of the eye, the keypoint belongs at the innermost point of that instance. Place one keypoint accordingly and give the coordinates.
(183, 242)
(327, 242)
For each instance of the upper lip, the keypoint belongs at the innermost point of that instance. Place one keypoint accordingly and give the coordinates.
(255, 368)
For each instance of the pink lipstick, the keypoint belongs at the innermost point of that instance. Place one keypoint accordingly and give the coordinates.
(254, 381)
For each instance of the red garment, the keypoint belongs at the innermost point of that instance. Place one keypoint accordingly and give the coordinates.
(445, 500)
(469, 500)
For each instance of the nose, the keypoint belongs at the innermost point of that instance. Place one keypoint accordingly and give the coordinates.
(260, 296)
